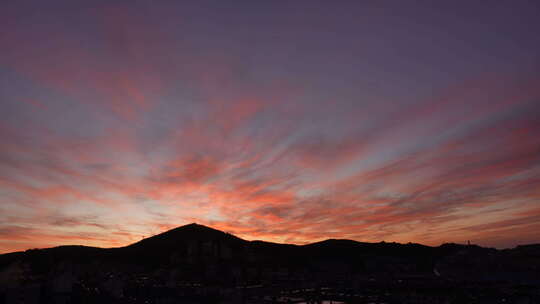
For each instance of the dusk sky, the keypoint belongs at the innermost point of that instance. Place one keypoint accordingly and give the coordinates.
(286, 121)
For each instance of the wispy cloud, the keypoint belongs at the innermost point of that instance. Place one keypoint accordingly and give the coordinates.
(131, 123)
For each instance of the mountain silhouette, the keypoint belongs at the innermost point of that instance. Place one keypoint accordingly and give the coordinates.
(193, 231)
(194, 243)
(199, 264)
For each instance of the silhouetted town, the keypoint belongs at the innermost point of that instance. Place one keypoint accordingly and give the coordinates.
(197, 264)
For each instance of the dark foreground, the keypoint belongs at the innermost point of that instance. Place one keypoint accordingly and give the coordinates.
(197, 264)
(354, 291)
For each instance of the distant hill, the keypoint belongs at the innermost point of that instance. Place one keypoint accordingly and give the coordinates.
(204, 253)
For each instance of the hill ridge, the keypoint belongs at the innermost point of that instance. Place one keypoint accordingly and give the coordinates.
(198, 231)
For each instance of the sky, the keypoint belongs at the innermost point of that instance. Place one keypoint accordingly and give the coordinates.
(286, 121)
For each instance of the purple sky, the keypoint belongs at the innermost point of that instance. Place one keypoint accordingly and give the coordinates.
(288, 121)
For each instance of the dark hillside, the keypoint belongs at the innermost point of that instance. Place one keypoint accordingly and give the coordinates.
(200, 264)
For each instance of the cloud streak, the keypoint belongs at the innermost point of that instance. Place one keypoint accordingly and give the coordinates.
(133, 122)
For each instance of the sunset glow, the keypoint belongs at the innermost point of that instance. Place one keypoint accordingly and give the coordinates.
(284, 121)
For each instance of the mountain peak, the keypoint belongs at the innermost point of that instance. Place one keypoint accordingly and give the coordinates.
(185, 234)
(194, 227)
